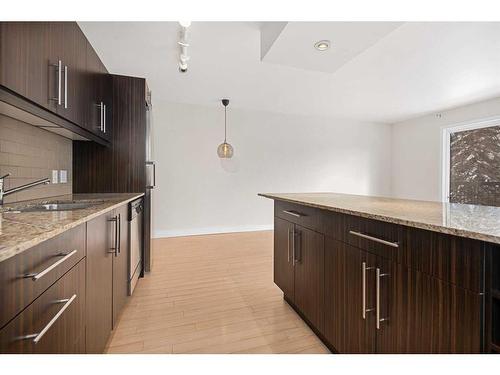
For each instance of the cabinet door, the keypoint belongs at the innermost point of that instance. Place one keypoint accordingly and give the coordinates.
(426, 315)
(25, 60)
(120, 264)
(359, 293)
(68, 44)
(98, 95)
(335, 294)
(283, 257)
(309, 274)
(100, 252)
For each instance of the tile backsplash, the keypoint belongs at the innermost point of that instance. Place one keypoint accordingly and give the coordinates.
(29, 153)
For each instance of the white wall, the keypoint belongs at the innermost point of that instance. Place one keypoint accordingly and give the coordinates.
(416, 149)
(196, 193)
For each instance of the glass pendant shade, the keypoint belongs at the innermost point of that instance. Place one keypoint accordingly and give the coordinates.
(225, 150)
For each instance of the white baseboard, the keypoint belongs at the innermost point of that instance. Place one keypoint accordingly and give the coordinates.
(209, 230)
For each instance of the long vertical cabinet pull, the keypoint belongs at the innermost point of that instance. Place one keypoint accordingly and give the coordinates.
(101, 108)
(119, 243)
(115, 248)
(59, 82)
(288, 245)
(297, 259)
(363, 294)
(104, 118)
(379, 275)
(65, 86)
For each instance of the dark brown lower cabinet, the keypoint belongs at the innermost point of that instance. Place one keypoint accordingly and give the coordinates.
(100, 252)
(120, 264)
(309, 257)
(426, 315)
(387, 289)
(347, 294)
(107, 275)
(417, 313)
(298, 268)
(283, 257)
(54, 323)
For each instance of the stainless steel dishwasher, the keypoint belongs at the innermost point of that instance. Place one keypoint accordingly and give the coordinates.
(135, 210)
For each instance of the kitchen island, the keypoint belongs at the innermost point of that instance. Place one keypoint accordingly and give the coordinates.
(381, 275)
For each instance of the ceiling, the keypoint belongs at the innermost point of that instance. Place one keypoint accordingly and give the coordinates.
(383, 72)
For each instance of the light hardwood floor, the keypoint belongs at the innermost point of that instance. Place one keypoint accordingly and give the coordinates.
(212, 294)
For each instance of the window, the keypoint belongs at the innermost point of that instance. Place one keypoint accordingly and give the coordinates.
(472, 163)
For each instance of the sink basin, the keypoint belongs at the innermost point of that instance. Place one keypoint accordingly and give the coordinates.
(56, 207)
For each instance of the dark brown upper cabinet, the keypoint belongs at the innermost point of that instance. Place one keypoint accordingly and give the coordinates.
(53, 65)
(25, 60)
(68, 52)
(99, 95)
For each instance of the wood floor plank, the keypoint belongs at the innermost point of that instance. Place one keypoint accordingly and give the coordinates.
(212, 294)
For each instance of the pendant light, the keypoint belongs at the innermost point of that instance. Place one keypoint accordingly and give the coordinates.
(225, 150)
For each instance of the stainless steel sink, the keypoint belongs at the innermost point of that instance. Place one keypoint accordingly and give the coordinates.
(69, 206)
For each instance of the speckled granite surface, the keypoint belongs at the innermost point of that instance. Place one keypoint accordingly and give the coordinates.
(20, 231)
(477, 222)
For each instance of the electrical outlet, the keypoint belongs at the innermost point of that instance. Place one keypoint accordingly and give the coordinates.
(63, 176)
(55, 176)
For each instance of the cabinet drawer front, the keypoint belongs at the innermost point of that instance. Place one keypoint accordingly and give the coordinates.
(308, 217)
(377, 237)
(27, 275)
(54, 322)
(456, 260)
(322, 221)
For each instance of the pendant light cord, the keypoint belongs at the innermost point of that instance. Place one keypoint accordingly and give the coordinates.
(225, 127)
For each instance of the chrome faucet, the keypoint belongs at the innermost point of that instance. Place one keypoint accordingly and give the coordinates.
(4, 192)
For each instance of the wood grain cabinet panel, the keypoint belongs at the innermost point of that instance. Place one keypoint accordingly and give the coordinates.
(389, 232)
(283, 257)
(100, 252)
(426, 315)
(54, 323)
(432, 293)
(120, 264)
(460, 261)
(309, 274)
(25, 60)
(17, 290)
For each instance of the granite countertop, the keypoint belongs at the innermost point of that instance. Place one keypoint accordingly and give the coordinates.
(464, 220)
(20, 231)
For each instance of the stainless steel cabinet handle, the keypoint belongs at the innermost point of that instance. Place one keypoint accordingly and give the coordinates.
(363, 280)
(375, 239)
(59, 82)
(38, 336)
(104, 118)
(379, 320)
(288, 245)
(297, 259)
(296, 214)
(114, 249)
(119, 242)
(152, 184)
(101, 108)
(39, 275)
(65, 86)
